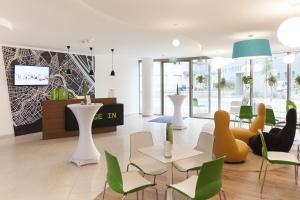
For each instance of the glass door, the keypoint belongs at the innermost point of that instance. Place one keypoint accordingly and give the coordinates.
(176, 74)
(200, 104)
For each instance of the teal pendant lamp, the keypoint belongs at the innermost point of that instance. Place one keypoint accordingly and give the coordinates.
(250, 49)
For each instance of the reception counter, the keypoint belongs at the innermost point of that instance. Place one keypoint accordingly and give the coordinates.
(59, 122)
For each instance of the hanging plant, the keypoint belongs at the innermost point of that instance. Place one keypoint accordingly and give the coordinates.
(200, 79)
(222, 83)
(297, 80)
(247, 80)
(272, 80)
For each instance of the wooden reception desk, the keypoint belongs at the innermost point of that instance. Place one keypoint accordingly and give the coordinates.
(54, 121)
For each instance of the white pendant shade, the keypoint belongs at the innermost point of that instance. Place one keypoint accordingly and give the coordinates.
(289, 32)
(176, 42)
(289, 59)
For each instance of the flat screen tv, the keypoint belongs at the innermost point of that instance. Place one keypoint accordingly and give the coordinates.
(31, 75)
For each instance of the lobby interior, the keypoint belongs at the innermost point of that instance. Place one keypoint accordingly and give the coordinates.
(143, 99)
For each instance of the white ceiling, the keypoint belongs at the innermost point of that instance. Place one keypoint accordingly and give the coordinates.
(143, 28)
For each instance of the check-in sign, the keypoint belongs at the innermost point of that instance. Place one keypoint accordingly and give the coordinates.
(107, 115)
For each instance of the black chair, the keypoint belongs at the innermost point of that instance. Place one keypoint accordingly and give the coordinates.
(277, 139)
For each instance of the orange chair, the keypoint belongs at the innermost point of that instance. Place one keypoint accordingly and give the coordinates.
(258, 123)
(225, 144)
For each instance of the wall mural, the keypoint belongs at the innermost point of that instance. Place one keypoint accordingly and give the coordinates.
(26, 101)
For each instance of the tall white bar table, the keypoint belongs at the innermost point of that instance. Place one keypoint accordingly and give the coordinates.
(86, 151)
(179, 152)
(177, 121)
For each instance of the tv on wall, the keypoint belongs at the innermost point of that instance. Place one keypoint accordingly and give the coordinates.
(31, 75)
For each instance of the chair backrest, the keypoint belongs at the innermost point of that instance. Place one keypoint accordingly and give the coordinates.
(287, 133)
(264, 150)
(209, 181)
(114, 175)
(259, 121)
(290, 104)
(205, 143)
(270, 116)
(245, 101)
(246, 112)
(139, 140)
(224, 143)
(195, 102)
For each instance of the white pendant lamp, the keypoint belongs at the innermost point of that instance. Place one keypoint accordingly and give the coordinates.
(288, 32)
(289, 58)
(176, 42)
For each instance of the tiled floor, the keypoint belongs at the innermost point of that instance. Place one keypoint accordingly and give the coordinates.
(35, 169)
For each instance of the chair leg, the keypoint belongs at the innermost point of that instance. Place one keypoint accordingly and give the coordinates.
(104, 190)
(261, 167)
(220, 197)
(262, 186)
(224, 194)
(296, 175)
(187, 174)
(166, 193)
(154, 179)
(123, 197)
(128, 167)
(156, 192)
(142, 194)
(137, 195)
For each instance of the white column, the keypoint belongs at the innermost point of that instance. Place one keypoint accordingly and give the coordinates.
(147, 86)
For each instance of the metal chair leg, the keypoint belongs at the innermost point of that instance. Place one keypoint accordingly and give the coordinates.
(224, 194)
(128, 167)
(142, 194)
(187, 174)
(166, 193)
(137, 195)
(220, 197)
(262, 186)
(261, 167)
(296, 175)
(154, 180)
(156, 191)
(104, 190)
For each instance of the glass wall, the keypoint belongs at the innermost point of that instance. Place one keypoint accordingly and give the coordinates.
(270, 83)
(176, 74)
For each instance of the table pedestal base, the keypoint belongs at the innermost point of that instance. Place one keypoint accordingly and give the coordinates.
(79, 162)
(179, 127)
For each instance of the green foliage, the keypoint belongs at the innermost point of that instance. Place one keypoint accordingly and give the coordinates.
(222, 83)
(297, 80)
(201, 79)
(247, 80)
(272, 80)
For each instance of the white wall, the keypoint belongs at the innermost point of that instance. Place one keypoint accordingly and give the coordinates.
(6, 123)
(125, 83)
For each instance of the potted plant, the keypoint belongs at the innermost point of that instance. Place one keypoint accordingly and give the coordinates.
(85, 90)
(200, 79)
(222, 83)
(297, 80)
(247, 80)
(272, 80)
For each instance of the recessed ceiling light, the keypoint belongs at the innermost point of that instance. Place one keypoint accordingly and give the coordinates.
(6, 24)
(176, 42)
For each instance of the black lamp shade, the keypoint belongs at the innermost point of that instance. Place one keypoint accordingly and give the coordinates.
(91, 73)
(112, 73)
(68, 72)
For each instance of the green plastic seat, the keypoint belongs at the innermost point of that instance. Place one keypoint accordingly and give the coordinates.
(276, 157)
(204, 186)
(270, 117)
(289, 105)
(246, 113)
(123, 183)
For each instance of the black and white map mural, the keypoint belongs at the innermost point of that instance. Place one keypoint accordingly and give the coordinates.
(26, 100)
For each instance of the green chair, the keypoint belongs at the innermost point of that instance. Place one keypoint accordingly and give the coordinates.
(54, 94)
(245, 113)
(196, 104)
(63, 93)
(123, 183)
(206, 185)
(276, 157)
(270, 117)
(289, 105)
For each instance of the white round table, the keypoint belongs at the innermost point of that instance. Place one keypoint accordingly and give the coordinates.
(86, 151)
(177, 121)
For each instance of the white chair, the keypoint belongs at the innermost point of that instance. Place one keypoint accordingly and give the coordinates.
(145, 164)
(235, 109)
(205, 145)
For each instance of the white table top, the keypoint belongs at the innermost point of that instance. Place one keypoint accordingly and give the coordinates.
(179, 152)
